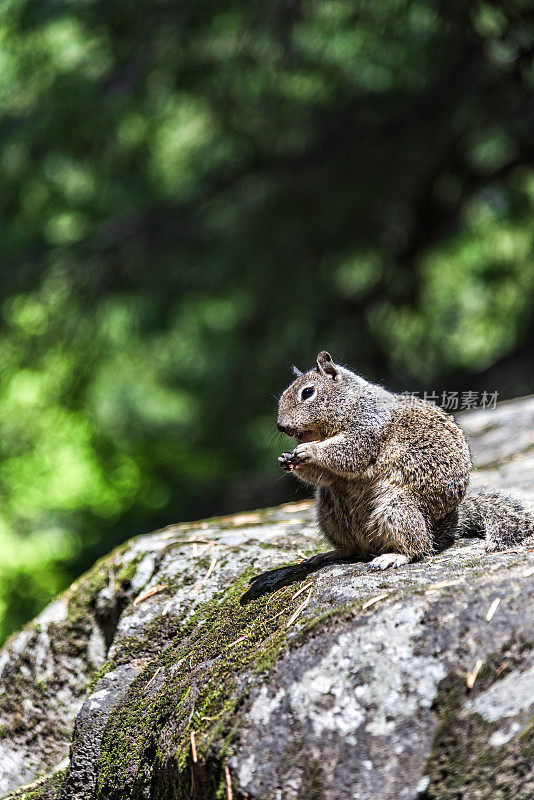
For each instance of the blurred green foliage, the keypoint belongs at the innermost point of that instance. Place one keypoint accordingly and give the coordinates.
(196, 194)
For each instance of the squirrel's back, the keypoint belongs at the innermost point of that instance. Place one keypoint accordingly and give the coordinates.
(428, 449)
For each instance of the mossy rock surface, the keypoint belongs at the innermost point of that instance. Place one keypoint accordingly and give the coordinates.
(149, 679)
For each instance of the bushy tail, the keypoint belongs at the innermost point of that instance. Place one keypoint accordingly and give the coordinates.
(503, 521)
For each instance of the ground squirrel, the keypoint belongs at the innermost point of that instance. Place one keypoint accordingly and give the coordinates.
(391, 473)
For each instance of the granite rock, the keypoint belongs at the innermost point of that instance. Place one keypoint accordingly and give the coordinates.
(149, 679)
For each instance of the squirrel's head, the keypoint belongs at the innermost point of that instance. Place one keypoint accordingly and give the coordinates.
(310, 409)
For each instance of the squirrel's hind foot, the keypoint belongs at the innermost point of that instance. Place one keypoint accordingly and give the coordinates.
(388, 561)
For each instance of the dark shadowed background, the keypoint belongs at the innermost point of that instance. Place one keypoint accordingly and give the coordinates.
(196, 195)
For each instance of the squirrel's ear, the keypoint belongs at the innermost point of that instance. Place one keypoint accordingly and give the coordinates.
(296, 371)
(325, 365)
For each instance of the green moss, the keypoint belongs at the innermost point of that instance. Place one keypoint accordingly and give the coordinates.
(82, 595)
(125, 575)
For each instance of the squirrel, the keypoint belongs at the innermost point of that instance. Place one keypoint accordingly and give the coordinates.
(391, 473)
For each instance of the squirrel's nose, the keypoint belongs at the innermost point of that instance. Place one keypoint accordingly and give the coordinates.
(284, 429)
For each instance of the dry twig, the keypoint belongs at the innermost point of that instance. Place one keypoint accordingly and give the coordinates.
(492, 609)
(149, 593)
(298, 610)
(281, 589)
(471, 677)
(194, 747)
(302, 589)
(229, 793)
(501, 668)
(210, 570)
(167, 607)
(241, 638)
(373, 600)
(443, 584)
(153, 678)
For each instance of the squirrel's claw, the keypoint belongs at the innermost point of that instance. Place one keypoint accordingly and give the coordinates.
(285, 462)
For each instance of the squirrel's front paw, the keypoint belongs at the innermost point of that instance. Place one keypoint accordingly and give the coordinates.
(285, 462)
(303, 454)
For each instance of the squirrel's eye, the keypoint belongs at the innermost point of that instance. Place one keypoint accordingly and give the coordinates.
(307, 392)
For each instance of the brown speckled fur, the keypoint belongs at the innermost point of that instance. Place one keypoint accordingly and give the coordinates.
(391, 471)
